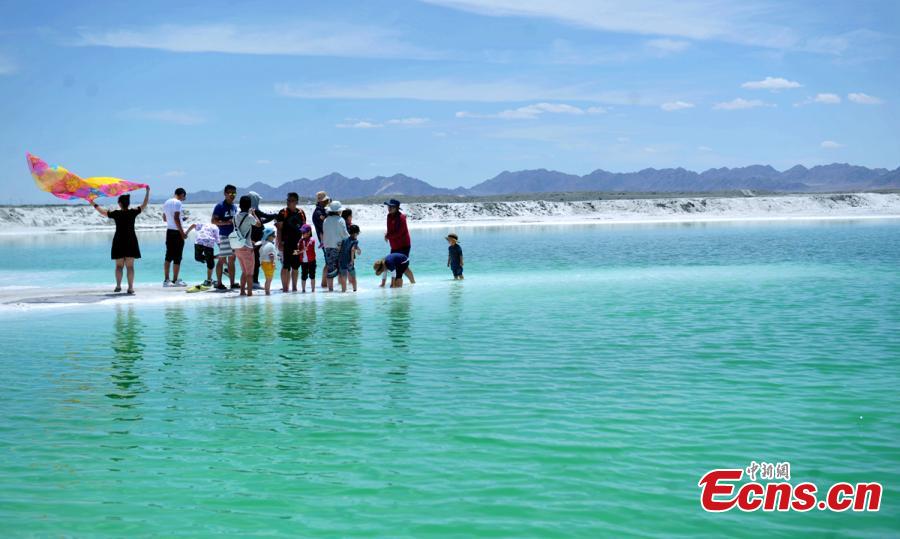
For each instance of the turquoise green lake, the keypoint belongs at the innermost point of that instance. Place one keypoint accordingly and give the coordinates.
(578, 383)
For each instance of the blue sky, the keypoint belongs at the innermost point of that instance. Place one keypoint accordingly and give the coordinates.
(450, 91)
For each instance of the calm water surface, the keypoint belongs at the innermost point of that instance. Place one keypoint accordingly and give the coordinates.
(578, 383)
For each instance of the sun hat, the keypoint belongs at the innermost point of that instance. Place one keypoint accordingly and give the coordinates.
(392, 203)
(378, 266)
(305, 228)
(321, 195)
(453, 235)
(267, 233)
(335, 207)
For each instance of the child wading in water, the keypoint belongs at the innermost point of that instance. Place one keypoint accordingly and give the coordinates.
(455, 256)
(306, 250)
(347, 258)
(267, 257)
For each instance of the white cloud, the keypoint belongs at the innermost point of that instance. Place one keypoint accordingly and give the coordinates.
(831, 145)
(741, 103)
(263, 162)
(676, 105)
(7, 66)
(734, 22)
(167, 116)
(408, 121)
(530, 112)
(358, 124)
(666, 46)
(306, 39)
(459, 90)
(864, 99)
(773, 84)
(704, 148)
(623, 140)
(174, 173)
(824, 99)
(352, 123)
(853, 46)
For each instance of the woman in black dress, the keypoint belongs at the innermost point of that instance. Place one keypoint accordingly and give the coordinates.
(125, 246)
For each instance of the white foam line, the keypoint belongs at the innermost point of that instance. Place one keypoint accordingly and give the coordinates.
(598, 219)
(590, 220)
(79, 219)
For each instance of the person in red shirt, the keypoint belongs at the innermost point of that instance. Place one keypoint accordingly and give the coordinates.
(306, 252)
(397, 233)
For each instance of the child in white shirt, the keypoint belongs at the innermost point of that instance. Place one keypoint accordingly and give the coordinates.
(267, 257)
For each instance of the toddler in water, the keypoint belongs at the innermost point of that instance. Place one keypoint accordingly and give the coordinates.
(347, 258)
(455, 256)
(306, 250)
(267, 257)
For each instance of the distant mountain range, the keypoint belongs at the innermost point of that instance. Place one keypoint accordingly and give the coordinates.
(834, 177)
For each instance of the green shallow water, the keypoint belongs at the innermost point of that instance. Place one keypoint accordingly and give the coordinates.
(578, 383)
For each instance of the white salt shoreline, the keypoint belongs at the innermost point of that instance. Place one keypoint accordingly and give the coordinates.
(816, 207)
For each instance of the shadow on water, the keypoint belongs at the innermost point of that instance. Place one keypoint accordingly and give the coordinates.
(128, 350)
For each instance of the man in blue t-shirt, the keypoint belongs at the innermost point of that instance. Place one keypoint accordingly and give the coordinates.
(223, 217)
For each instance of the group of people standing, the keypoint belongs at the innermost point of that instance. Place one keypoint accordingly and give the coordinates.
(239, 234)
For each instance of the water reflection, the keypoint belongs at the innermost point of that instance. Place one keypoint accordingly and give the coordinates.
(341, 328)
(176, 326)
(128, 349)
(399, 317)
(454, 310)
(399, 314)
(297, 321)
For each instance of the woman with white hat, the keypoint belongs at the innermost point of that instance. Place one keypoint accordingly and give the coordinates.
(334, 231)
(318, 218)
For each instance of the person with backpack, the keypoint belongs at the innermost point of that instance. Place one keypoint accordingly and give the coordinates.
(241, 242)
(257, 234)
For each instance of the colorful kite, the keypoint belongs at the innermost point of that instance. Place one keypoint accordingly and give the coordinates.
(63, 184)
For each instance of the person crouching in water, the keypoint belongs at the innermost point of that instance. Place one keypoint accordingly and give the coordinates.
(395, 264)
(455, 256)
(267, 257)
(347, 258)
(306, 252)
(334, 231)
